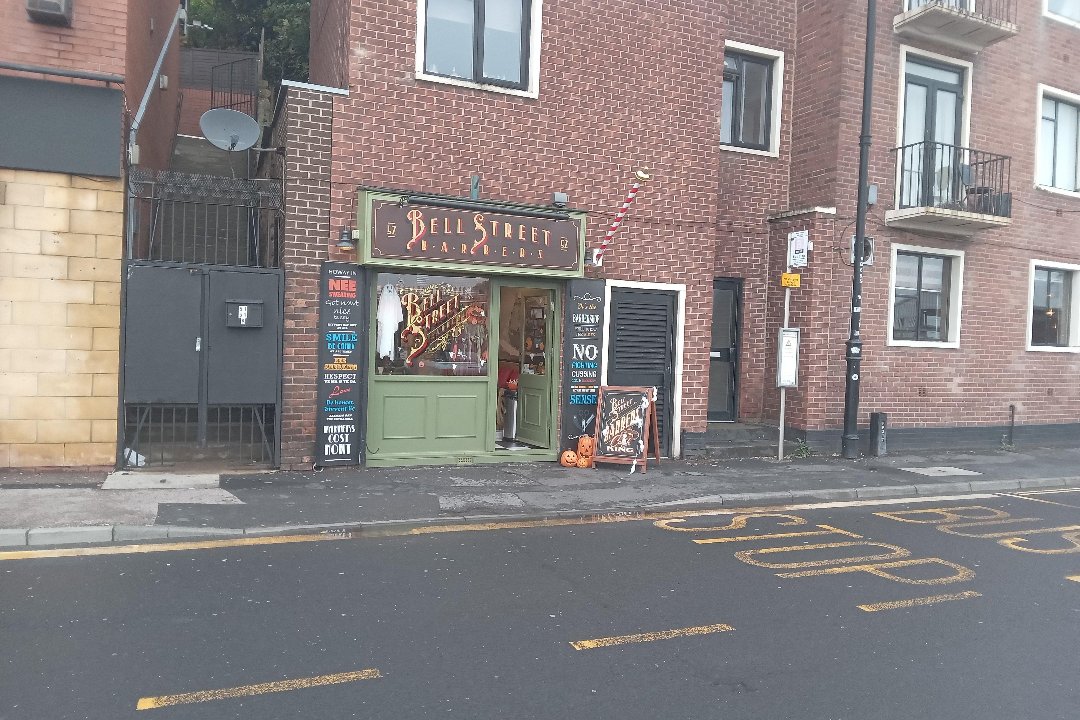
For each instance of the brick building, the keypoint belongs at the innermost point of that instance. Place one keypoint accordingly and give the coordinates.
(749, 122)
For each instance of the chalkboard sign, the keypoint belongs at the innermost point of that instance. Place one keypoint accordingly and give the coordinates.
(584, 337)
(339, 417)
(625, 423)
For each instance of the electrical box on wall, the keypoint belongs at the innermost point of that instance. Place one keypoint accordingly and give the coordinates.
(53, 12)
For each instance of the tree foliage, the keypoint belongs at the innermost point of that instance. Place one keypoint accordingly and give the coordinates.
(237, 25)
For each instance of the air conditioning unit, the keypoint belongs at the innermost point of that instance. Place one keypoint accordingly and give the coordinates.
(53, 12)
(868, 251)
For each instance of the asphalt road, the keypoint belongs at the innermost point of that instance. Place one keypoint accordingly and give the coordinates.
(828, 613)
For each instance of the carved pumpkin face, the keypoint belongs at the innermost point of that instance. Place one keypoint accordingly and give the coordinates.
(569, 458)
(586, 446)
(584, 461)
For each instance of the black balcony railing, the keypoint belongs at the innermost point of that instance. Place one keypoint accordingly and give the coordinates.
(946, 176)
(235, 85)
(999, 11)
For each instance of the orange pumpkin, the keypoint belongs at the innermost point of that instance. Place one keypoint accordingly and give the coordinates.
(586, 446)
(568, 459)
(584, 461)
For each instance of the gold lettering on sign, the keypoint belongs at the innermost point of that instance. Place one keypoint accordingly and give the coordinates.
(430, 315)
(416, 217)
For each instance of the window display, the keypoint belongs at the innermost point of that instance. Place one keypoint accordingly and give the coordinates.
(431, 325)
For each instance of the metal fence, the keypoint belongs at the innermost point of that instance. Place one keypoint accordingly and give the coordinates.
(166, 435)
(999, 11)
(235, 85)
(205, 219)
(946, 176)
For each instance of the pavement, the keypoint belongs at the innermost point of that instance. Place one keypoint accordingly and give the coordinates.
(80, 507)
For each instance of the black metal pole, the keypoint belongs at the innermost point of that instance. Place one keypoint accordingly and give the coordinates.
(850, 439)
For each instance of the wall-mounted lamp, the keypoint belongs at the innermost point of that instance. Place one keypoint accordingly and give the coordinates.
(345, 240)
(560, 199)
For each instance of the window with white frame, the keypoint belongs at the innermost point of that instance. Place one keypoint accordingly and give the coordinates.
(1064, 9)
(486, 42)
(924, 307)
(751, 102)
(1059, 141)
(1054, 307)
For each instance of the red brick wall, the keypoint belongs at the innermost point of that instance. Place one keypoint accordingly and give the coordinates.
(148, 25)
(195, 101)
(974, 384)
(328, 58)
(95, 42)
(613, 97)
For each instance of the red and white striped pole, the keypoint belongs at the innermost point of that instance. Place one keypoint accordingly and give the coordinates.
(640, 177)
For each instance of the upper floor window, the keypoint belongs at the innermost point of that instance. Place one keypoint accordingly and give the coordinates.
(926, 291)
(1059, 143)
(481, 41)
(1068, 10)
(1053, 307)
(750, 114)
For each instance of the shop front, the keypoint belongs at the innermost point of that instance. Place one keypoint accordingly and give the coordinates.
(462, 326)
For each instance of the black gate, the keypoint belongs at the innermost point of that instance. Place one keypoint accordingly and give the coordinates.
(642, 350)
(202, 322)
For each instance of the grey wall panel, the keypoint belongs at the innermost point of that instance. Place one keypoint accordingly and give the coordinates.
(60, 127)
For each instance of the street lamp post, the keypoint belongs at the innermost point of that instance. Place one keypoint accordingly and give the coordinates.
(850, 439)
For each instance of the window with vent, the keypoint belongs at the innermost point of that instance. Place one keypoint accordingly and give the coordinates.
(750, 109)
(1059, 140)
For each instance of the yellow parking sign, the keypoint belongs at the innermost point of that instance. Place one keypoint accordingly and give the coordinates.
(791, 280)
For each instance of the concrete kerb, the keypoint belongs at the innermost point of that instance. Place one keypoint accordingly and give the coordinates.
(103, 534)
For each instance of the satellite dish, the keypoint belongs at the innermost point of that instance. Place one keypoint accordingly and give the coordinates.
(229, 130)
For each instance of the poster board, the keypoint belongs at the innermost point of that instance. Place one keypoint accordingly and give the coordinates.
(339, 437)
(583, 323)
(787, 358)
(625, 425)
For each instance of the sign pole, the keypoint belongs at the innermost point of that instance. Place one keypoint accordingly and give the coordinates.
(783, 389)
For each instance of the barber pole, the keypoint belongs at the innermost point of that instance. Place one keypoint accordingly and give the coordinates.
(640, 177)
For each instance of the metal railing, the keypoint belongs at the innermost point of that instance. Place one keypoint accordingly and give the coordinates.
(165, 435)
(998, 11)
(235, 85)
(205, 219)
(946, 176)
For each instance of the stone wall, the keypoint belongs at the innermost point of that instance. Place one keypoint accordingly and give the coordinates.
(60, 258)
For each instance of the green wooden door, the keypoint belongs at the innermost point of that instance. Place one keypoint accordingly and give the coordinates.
(534, 385)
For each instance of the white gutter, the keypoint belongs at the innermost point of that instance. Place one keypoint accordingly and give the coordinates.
(133, 148)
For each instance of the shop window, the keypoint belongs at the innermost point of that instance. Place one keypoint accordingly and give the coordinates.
(431, 325)
(925, 303)
(750, 110)
(1064, 10)
(1053, 307)
(482, 42)
(1059, 141)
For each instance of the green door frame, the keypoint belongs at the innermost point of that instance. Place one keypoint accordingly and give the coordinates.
(489, 454)
(552, 361)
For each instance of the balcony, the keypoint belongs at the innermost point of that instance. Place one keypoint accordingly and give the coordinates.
(965, 25)
(949, 190)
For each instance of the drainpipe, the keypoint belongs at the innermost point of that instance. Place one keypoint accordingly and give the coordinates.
(133, 134)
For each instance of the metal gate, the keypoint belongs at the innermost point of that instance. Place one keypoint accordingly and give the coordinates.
(202, 339)
(642, 349)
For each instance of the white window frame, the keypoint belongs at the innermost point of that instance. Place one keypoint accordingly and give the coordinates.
(1074, 307)
(955, 299)
(1057, 18)
(1073, 98)
(532, 90)
(777, 90)
(907, 51)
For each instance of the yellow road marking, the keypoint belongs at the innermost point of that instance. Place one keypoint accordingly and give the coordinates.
(649, 637)
(1074, 578)
(913, 602)
(150, 703)
(166, 547)
(1018, 496)
(829, 530)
